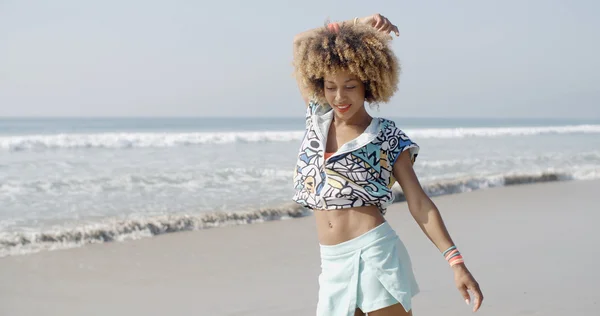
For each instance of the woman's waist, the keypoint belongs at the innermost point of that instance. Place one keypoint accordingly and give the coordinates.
(370, 243)
(337, 226)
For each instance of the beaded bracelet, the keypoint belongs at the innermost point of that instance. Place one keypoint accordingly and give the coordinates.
(453, 256)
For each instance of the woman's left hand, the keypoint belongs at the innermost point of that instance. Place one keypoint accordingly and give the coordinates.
(381, 23)
(465, 283)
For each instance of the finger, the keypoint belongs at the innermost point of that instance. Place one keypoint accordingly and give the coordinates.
(384, 26)
(478, 297)
(378, 21)
(465, 294)
(395, 30)
(380, 24)
(389, 28)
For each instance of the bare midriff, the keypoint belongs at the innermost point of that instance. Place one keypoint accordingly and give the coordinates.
(337, 226)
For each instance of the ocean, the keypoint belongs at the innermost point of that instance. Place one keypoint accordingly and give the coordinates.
(68, 182)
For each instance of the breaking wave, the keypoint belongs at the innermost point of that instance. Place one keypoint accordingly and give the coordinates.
(469, 184)
(503, 131)
(136, 228)
(18, 243)
(173, 139)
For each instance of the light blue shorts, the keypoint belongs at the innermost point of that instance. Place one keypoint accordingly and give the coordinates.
(371, 271)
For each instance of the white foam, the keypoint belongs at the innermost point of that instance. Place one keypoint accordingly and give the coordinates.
(28, 241)
(501, 131)
(468, 183)
(136, 227)
(575, 159)
(140, 140)
(160, 140)
(125, 182)
(587, 173)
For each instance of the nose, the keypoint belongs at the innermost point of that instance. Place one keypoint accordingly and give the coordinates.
(339, 95)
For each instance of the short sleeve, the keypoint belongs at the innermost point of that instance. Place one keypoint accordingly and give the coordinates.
(400, 142)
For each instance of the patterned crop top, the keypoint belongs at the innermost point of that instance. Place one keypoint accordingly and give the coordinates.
(358, 174)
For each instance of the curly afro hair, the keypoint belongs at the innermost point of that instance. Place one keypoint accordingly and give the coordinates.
(359, 49)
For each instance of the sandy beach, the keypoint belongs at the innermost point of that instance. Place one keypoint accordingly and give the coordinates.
(533, 249)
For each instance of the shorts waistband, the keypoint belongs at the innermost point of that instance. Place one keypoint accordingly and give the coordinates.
(380, 232)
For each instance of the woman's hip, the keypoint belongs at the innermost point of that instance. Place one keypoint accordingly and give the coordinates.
(365, 270)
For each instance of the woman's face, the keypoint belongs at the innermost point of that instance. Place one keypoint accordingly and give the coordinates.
(345, 93)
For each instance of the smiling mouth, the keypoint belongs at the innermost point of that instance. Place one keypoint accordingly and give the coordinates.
(343, 107)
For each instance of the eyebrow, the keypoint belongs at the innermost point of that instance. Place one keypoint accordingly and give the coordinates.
(347, 80)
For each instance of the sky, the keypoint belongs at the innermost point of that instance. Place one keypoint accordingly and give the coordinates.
(461, 58)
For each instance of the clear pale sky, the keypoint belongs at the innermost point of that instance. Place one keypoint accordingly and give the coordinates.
(461, 58)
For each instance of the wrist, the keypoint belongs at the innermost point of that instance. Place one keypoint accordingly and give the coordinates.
(352, 21)
(356, 20)
(453, 256)
(459, 267)
(364, 20)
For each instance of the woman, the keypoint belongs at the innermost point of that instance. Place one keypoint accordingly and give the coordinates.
(347, 164)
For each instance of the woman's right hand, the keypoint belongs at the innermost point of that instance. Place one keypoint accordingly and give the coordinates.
(381, 23)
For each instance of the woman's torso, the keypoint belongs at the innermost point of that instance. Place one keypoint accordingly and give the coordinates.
(337, 226)
(349, 191)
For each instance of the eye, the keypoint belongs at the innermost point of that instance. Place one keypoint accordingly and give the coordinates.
(351, 87)
(330, 88)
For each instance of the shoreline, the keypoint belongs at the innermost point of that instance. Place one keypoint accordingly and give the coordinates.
(136, 228)
(531, 243)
